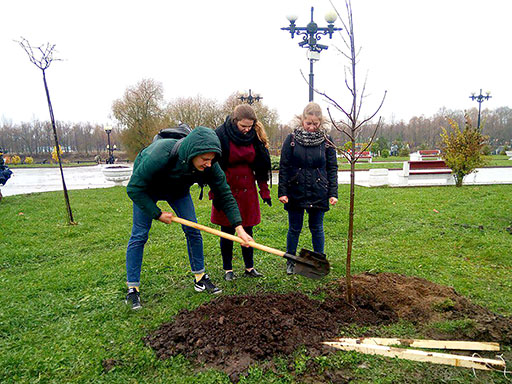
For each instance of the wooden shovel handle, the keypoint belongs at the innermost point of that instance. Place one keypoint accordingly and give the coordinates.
(225, 235)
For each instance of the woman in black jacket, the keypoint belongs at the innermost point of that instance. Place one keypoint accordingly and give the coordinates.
(308, 178)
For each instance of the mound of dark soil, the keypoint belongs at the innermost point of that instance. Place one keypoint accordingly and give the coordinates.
(232, 332)
(422, 302)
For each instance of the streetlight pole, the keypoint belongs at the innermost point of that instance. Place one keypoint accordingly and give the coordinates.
(250, 99)
(480, 98)
(312, 33)
(110, 158)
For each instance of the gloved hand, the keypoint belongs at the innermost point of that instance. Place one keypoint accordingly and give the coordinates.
(268, 201)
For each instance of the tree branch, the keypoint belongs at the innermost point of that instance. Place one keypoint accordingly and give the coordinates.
(375, 113)
(336, 126)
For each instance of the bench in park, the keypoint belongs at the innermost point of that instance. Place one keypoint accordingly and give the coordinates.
(425, 168)
(429, 154)
(364, 156)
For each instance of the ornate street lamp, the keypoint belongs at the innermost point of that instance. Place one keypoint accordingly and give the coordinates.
(480, 98)
(110, 158)
(312, 33)
(250, 99)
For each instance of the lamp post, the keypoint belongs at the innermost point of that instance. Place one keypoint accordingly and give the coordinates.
(250, 99)
(312, 33)
(480, 98)
(110, 158)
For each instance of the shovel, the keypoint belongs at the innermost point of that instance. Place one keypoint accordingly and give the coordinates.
(308, 263)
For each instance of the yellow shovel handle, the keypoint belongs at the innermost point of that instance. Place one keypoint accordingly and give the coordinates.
(225, 235)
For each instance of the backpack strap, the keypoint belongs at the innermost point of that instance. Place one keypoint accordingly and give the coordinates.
(175, 149)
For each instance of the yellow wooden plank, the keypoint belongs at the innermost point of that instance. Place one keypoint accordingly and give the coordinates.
(423, 356)
(418, 343)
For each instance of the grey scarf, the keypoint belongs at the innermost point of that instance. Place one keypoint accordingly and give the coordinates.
(308, 139)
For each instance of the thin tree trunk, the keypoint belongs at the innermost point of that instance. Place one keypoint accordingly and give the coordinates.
(348, 278)
(52, 118)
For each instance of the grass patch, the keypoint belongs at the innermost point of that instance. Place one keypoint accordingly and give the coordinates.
(445, 305)
(453, 326)
(63, 314)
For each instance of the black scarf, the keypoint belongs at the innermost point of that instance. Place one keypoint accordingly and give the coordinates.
(236, 136)
(230, 132)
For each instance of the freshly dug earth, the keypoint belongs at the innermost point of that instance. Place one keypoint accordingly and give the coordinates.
(232, 332)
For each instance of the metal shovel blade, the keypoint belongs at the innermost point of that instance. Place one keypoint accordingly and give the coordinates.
(310, 264)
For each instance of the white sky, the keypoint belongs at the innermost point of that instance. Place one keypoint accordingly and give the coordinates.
(426, 54)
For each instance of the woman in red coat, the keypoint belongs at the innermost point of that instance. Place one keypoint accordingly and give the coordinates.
(246, 162)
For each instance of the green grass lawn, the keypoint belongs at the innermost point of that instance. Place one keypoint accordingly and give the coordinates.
(365, 165)
(63, 287)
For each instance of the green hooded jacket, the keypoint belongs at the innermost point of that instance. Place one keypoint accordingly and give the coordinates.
(157, 175)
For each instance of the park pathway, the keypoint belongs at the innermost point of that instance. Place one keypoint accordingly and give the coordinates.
(30, 180)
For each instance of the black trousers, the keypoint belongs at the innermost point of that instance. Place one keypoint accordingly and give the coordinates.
(226, 249)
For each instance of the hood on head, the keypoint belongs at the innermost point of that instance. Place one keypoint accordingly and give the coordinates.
(200, 140)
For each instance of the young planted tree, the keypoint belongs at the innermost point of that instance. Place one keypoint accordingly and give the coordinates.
(42, 57)
(351, 125)
(462, 149)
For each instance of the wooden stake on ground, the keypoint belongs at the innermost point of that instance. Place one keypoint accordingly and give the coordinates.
(417, 355)
(433, 344)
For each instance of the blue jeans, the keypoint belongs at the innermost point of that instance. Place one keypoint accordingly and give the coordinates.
(316, 227)
(184, 208)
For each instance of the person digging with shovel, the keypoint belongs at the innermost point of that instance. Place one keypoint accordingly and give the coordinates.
(166, 170)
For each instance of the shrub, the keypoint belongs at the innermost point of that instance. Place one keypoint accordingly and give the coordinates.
(28, 160)
(275, 162)
(384, 153)
(15, 159)
(461, 149)
(403, 152)
(54, 153)
(486, 150)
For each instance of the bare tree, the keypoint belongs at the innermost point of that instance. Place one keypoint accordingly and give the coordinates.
(42, 61)
(141, 112)
(268, 117)
(351, 125)
(195, 111)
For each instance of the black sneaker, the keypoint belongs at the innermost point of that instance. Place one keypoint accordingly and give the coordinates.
(133, 298)
(253, 273)
(229, 276)
(205, 284)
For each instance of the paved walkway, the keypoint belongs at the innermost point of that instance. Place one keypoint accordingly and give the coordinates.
(30, 180)
(394, 178)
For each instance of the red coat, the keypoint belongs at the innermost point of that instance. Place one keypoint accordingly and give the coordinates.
(241, 179)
